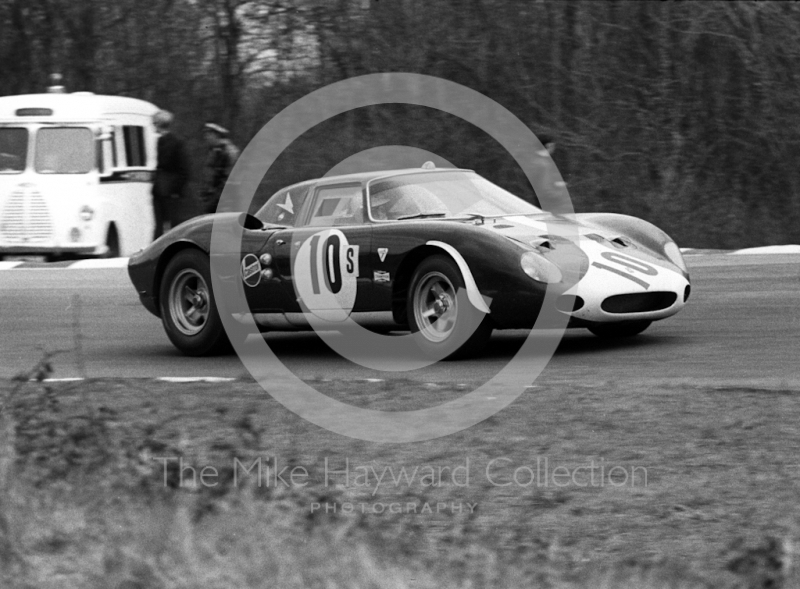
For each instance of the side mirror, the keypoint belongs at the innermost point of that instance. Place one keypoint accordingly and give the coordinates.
(248, 221)
(105, 157)
(104, 132)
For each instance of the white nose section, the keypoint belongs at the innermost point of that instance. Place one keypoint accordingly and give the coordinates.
(612, 272)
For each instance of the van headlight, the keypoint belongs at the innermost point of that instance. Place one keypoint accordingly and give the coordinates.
(539, 268)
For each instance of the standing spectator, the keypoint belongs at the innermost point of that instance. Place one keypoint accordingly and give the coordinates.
(172, 172)
(222, 155)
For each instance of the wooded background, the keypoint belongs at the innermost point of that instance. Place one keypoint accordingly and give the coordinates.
(683, 113)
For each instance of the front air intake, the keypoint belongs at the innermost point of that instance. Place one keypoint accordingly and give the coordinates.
(642, 302)
(569, 303)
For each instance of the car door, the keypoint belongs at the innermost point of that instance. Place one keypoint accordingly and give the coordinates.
(326, 262)
(260, 266)
(263, 294)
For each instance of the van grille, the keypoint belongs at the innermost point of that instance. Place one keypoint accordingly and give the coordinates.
(26, 219)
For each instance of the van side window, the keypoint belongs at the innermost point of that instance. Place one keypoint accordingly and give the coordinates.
(134, 146)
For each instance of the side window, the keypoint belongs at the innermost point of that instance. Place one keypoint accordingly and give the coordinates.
(283, 207)
(134, 146)
(336, 206)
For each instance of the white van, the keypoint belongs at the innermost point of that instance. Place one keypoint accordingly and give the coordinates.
(76, 173)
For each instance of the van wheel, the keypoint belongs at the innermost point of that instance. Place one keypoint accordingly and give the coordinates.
(112, 243)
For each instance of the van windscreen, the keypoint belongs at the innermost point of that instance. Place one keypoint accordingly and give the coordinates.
(13, 149)
(64, 150)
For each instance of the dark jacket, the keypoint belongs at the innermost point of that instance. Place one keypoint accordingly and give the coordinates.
(219, 163)
(172, 170)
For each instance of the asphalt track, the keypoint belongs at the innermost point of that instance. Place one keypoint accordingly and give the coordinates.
(741, 327)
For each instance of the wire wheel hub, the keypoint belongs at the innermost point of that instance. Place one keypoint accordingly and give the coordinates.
(189, 302)
(435, 307)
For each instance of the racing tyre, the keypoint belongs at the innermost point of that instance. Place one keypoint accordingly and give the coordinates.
(188, 309)
(616, 330)
(445, 323)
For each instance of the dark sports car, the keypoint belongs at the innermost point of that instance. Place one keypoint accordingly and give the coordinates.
(443, 253)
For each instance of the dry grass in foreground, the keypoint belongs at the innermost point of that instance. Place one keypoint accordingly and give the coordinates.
(84, 504)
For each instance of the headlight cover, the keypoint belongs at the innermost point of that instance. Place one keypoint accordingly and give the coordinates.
(673, 253)
(539, 268)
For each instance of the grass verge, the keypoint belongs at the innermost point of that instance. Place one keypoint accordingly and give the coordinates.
(104, 486)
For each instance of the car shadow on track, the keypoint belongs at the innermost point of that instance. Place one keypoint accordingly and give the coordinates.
(503, 344)
(507, 344)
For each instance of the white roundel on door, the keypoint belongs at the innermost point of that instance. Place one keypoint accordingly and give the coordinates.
(326, 273)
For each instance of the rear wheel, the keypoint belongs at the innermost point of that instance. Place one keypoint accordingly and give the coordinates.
(622, 329)
(447, 324)
(188, 309)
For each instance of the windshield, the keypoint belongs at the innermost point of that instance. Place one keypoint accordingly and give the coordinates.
(64, 150)
(442, 195)
(13, 149)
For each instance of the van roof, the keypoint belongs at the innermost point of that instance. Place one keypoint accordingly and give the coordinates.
(75, 107)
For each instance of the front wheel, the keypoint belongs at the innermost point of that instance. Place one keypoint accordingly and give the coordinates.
(617, 330)
(188, 309)
(445, 323)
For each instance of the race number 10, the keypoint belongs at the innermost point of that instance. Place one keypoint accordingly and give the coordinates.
(332, 263)
(631, 266)
(326, 274)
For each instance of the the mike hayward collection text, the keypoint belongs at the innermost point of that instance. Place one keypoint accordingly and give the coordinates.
(502, 471)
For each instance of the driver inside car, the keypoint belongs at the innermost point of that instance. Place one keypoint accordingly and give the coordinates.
(380, 206)
(389, 205)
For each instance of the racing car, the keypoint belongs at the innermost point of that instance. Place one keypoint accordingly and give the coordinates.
(443, 253)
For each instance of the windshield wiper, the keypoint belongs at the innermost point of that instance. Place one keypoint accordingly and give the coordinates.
(421, 216)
